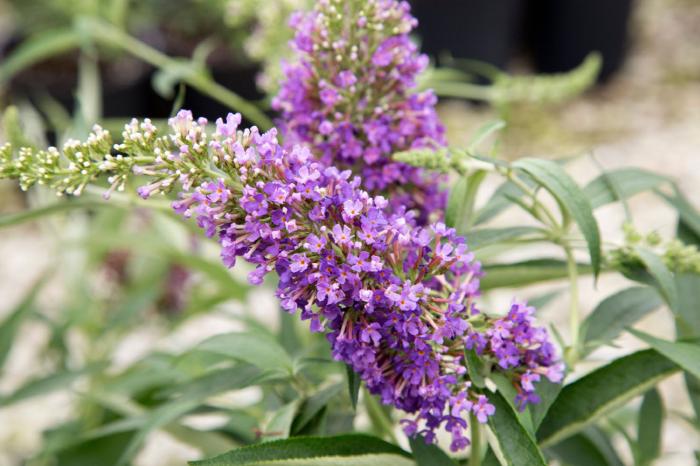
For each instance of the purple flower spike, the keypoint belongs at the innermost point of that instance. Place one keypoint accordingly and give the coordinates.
(350, 96)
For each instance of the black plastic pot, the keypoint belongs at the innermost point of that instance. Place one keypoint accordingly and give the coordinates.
(484, 30)
(563, 32)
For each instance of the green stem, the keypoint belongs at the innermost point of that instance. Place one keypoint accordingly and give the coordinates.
(475, 455)
(107, 34)
(574, 308)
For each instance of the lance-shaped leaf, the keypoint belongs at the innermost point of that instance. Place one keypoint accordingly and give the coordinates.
(603, 390)
(527, 272)
(649, 426)
(571, 199)
(617, 312)
(591, 447)
(623, 183)
(353, 449)
(514, 442)
(254, 348)
(662, 276)
(428, 454)
(686, 355)
(477, 239)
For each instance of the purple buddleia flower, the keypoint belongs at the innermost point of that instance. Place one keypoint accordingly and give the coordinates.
(350, 97)
(395, 300)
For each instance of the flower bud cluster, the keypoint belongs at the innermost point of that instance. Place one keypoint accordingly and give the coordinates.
(676, 255)
(69, 170)
(350, 97)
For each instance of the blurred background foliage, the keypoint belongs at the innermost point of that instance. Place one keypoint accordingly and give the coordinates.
(123, 340)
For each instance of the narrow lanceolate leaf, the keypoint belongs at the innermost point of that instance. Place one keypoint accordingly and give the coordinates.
(591, 447)
(484, 132)
(663, 277)
(10, 326)
(651, 418)
(548, 393)
(353, 385)
(688, 326)
(686, 355)
(190, 396)
(622, 183)
(43, 385)
(342, 449)
(314, 405)
(427, 454)
(514, 442)
(8, 220)
(477, 239)
(571, 198)
(617, 312)
(499, 202)
(688, 215)
(603, 390)
(526, 273)
(253, 348)
(460, 206)
(280, 424)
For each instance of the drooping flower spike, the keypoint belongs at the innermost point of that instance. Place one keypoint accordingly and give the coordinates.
(350, 96)
(396, 301)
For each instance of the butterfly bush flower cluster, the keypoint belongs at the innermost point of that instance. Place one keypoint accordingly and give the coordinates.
(350, 97)
(395, 300)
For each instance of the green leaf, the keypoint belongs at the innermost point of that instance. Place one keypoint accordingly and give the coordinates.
(477, 239)
(42, 386)
(548, 393)
(191, 395)
(687, 214)
(649, 426)
(624, 182)
(499, 201)
(506, 389)
(460, 206)
(254, 348)
(514, 442)
(688, 326)
(601, 391)
(688, 317)
(527, 272)
(661, 274)
(617, 312)
(474, 367)
(591, 447)
(571, 198)
(686, 355)
(280, 424)
(37, 48)
(427, 454)
(490, 459)
(353, 385)
(313, 406)
(10, 326)
(484, 132)
(338, 450)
